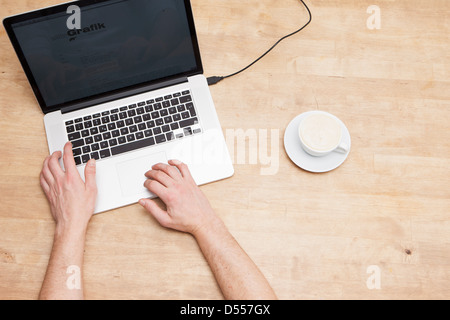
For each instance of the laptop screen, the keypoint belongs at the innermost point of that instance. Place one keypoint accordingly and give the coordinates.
(120, 45)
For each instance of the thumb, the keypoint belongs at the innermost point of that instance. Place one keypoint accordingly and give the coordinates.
(160, 215)
(89, 175)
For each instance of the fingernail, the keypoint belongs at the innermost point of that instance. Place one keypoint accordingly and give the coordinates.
(176, 162)
(142, 202)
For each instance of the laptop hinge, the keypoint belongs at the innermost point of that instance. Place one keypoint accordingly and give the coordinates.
(128, 93)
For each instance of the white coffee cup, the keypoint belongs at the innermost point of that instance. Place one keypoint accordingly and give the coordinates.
(321, 134)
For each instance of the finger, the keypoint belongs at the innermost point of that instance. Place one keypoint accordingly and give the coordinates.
(156, 188)
(183, 168)
(160, 176)
(44, 184)
(160, 215)
(69, 161)
(169, 170)
(46, 173)
(89, 175)
(54, 166)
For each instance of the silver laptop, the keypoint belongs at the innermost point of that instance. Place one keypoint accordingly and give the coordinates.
(126, 88)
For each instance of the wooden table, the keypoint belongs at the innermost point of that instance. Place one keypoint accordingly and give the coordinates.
(315, 236)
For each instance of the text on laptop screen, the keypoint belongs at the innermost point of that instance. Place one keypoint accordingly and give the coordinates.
(120, 44)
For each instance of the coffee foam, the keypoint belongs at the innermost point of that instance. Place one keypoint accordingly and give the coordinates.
(321, 132)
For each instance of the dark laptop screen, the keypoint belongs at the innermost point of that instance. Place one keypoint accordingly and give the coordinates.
(121, 44)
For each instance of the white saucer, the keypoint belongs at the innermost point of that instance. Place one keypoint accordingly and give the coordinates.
(305, 161)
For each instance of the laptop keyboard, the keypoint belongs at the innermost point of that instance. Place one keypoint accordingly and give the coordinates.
(143, 124)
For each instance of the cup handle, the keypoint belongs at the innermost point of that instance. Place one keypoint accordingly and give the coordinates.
(343, 148)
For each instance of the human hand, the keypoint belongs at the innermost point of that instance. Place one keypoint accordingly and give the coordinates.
(188, 210)
(72, 201)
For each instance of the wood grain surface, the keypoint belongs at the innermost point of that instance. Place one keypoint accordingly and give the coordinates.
(314, 236)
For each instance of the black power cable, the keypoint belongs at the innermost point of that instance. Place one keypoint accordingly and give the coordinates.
(215, 79)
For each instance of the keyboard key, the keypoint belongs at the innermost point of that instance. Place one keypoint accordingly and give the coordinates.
(132, 146)
(148, 133)
(68, 123)
(95, 155)
(113, 142)
(74, 136)
(187, 131)
(98, 138)
(122, 140)
(77, 161)
(105, 120)
(88, 124)
(185, 99)
(77, 152)
(85, 158)
(185, 115)
(95, 147)
(104, 145)
(105, 154)
(86, 149)
(139, 135)
(84, 133)
(70, 129)
(161, 138)
(123, 115)
(79, 126)
(94, 131)
(97, 122)
(170, 136)
(165, 128)
(185, 92)
(188, 122)
(115, 133)
(130, 138)
(175, 102)
(89, 140)
(197, 131)
(77, 143)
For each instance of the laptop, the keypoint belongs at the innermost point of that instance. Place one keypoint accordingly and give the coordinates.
(126, 87)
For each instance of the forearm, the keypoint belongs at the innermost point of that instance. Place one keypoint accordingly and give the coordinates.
(63, 280)
(237, 275)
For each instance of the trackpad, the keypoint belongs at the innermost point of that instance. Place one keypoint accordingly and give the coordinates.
(132, 174)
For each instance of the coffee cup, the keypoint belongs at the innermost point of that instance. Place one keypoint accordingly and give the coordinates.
(321, 133)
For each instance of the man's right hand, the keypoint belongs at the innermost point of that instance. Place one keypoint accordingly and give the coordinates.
(188, 210)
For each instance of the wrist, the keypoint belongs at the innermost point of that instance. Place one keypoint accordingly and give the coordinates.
(70, 231)
(213, 225)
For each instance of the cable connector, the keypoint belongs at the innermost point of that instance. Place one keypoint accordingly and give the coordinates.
(214, 80)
